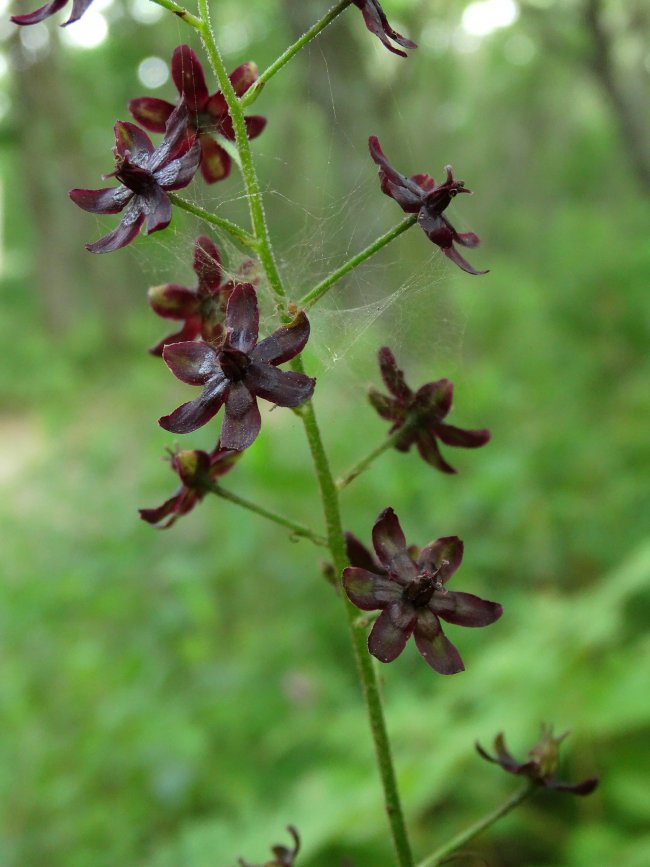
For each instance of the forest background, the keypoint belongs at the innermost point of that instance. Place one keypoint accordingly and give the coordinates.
(177, 698)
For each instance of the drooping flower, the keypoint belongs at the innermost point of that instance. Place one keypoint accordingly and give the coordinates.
(146, 175)
(421, 195)
(239, 371)
(542, 764)
(377, 23)
(412, 596)
(284, 857)
(421, 414)
(197, 471)
(203, 308)
(208, 115)
(51, 8)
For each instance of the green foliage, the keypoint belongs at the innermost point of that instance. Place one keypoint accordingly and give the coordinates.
(178, 698)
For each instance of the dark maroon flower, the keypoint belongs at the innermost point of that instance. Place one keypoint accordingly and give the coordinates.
(420, 414)
(377, 23)
(542, 764)
(420, 195)
(412, 596)
(146, 174)
(203, 308)
(207, 114)
(284, 857)
(51, 8)
(197, 471)
(238, 372)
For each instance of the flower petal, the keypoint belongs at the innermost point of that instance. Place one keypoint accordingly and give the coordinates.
(242, 422)
(377, 23)
(430, 452)
(109, 200)
(435, 398)
(126, 231)
(434, 646)
(215, 162)
(242, 318)
(586, 787)
(169, 509)
(157, 209)
(150, 112)
(390, 546)
(392, 375)
(195, 413)
(406, 193)
(133, 142)
(369, 591)
(359, 555)
(78, 9)
(282, 387)
(465, 609)
(39, 14)
(193, 363)
(243, 77)
(387, 407)
(207, 264)
(177, 173)
(285, 343)
(456, 436)
(179, 139)
(190, 329)
(172, 301)
(187, 74)
(453, 254)
(255, 125)
(444, 556)
(391, 631)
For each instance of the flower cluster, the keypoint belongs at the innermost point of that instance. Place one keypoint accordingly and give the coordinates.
(377, 23)
(208, 115)
(283, 856)
(202, 308)
(419, 414)
(542, 764)
(197, 471)
(238, 371)
(146, 175)
(421, 195)
(411, 595)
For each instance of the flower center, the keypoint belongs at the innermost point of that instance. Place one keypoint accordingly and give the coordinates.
(421, 589)
(139, 180)
(234, 363)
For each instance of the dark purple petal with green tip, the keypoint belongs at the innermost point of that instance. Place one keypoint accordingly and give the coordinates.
(392, 375)
(133, 142)
(193, 363)
(369, 591)
(435, 648)
(282, 387)
(435, 397)
(242, 318)
(173, 302)
(390, 546)
(188, 76)
(243, 77)
(285, 343)
(387, 407)
(242, 422)
(391, 631)
(444, 556)
(464, 609)
(215, 162)
(151, 113)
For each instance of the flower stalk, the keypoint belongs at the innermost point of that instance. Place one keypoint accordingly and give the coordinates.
(437, 858)
(362, 465)
(181, 12)
(236, 232)
(251, 95)
(325, 285)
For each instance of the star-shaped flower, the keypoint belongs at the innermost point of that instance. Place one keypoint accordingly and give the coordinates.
(197, 470)
(377, 23)
(146, 174)
(51, 8)
(420, 195)
(421, 414)
(207, 114)
(238, 372)
(542, 764)
(412, 596)
(203, 308)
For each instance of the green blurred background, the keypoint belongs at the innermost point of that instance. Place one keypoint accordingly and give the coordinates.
(175, 699)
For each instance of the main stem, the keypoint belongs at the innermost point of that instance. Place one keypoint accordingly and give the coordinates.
(466, 836)
(329, 494)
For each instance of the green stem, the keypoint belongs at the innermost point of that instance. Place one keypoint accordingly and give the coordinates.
(251, 95)
(367, 674)
(464, 837)
(233, 229)
(325, 285)
(296, 529)
(255, 203)
(181, 12)
(390, 441)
